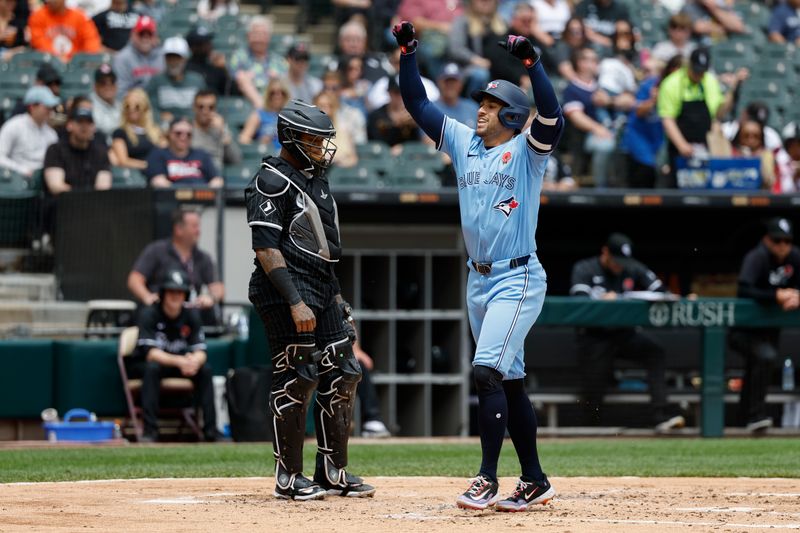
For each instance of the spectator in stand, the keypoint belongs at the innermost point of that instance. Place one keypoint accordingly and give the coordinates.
(254, 66)
(208, 63)
(522, 22)
(581, 99)
(13, 31)
(552, 16)
(356, 120)
(77, 163)
(302, 85)
(141, 59)
(47, 76)
(573, 39)
(758, 111)
(617, 74)
(714, 19)
(137, 134)
(689, 100)
(90, 7)
(63, 32)
(452, 104)
(600, 17)
(679, 33)
(644, 133)
(787, 161)
(749, 142)
(172, 91)
(115, 24)
(262, 124)
(105, 106)
(352, 43)
(391, 123)
(24, 138)
(180, 164)
(432, 20)
(784, 24)
(346, 155)
(355, 87)
(479, 27)
(211, 10)
(378, 94)
(211, 133)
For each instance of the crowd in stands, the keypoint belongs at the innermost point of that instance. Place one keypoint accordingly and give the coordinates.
(182, 91)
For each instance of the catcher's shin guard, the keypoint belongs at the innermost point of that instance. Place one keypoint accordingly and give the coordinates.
(294, 377)
(339, 374)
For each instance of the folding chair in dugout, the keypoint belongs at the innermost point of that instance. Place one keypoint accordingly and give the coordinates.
(173, 388)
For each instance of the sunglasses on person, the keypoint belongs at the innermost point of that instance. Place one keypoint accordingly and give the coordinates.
(205, 107)
(182, 133)
(677, 27)
(781, 240)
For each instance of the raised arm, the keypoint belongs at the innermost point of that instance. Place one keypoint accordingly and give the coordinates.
(549, 121)
(429, 117)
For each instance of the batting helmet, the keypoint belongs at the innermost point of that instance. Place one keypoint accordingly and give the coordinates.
(299, 117)
(517, 106)
(175, 280)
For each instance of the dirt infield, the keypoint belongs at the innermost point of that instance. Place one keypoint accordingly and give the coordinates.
(401, 504)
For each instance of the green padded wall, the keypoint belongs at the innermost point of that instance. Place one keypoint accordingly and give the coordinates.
(87, 376)
(26, 378)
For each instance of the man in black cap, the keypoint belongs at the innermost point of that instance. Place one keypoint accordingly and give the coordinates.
(76, 163)
(689, 100)
(302, 85)
(208, 63)
(106, 107)
(770, 274)
(608, 277)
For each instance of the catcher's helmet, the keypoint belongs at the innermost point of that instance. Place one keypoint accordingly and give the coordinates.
(176, 280)
(517, 106)
(299, 117)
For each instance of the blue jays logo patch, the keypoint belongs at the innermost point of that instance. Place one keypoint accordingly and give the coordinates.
(491, 85)
(267, 207)
(507, 205)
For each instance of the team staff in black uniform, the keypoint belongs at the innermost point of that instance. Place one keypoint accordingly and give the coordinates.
(171, 344)
(606, 277)
(295, 231)
(770, 274)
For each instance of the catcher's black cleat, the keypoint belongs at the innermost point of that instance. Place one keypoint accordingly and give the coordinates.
(526, 495)
(297, 487)
(347, 485)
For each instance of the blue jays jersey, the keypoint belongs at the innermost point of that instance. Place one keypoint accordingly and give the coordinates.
(498, 192)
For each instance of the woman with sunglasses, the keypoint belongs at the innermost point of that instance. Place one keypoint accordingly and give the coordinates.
(137, 135)
(262, 124)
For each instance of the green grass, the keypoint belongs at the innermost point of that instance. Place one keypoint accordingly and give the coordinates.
(773, 457)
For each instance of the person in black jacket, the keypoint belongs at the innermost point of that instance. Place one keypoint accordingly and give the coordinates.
(608, 277)
(770, 275)
(295, 235)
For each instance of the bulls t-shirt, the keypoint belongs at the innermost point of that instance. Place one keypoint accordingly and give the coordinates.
(194, 169)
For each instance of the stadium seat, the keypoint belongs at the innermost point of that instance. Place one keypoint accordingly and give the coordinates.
(413, 177)
(75, 82)
(372, 150)
(32, 58)
(88, 62)
(362, 176)
(173, 387)
(127, 178)
(235, 110)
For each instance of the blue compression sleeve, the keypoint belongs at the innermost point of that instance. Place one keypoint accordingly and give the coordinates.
(549, 123)
(427, 116)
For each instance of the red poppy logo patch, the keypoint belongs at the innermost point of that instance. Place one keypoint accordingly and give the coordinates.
(506, 158)
(185, 331)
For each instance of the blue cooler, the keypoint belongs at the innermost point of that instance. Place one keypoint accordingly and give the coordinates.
(86, 430)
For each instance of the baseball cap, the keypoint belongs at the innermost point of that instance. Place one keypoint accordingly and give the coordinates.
(299, 51)
(451, 71)
(104, 71)
(81, 113)
(145, 23)
(177, 46)
(620, 247)
(779, 228)
(39, 94)
(700, 60)
(199, 35)
(47, 74)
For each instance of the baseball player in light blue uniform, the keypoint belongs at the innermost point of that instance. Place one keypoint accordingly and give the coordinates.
(499, 166)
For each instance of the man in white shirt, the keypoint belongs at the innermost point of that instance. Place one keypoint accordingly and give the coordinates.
(24, 138)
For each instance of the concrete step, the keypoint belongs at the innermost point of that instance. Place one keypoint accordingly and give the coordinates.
(284, 14)
(40, 314)
(32, 287)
